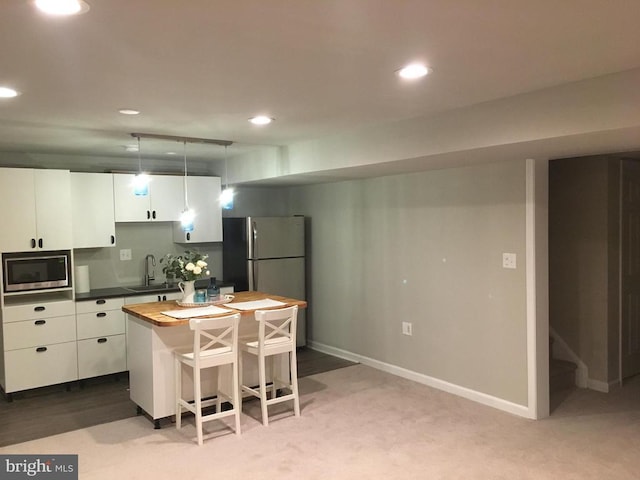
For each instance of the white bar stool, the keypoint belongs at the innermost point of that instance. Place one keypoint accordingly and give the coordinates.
(276, 335)
(215, 343)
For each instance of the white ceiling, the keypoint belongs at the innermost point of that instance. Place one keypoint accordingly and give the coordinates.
(201, 68)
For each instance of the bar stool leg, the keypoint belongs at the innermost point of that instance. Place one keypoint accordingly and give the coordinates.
(198, 403)
(263, 388)
(294, 382)
(237, 399)
(178, 377)
(216, 381)
(274, 376)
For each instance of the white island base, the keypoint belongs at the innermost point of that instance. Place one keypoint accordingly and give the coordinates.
(151, 366)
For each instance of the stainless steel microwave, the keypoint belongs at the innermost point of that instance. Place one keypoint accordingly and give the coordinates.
(33, 271)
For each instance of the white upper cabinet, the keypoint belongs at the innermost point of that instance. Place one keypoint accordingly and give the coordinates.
(53, 209)
(167, 197)
(37, 213)
(204, 199)
(18, 196)
(164, 203)
(92, 210)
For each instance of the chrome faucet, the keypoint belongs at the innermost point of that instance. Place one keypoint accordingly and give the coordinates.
(148, 277)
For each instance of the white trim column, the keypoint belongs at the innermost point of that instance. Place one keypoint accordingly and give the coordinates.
(537, 280)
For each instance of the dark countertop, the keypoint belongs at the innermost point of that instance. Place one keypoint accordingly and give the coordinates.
(114, 292)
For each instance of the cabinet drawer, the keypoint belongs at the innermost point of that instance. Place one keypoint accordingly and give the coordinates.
(153, 297)
(34, 311)
(100, 324)
(41, 332)
(47, 365)
(173, 295)
(99, 305)
(101, 356)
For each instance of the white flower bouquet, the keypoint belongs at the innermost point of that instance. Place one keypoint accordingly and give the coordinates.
(187, 267)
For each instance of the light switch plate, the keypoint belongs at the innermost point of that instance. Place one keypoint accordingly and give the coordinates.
(125, 254)
(407, 328)
(508, 260)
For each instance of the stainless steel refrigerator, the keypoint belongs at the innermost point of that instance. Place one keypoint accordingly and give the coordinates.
(266, 254)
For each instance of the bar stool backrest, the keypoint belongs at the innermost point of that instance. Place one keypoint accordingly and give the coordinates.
(215, 340)
(277, 329)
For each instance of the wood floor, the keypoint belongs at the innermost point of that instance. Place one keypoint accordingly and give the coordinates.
(51, 410)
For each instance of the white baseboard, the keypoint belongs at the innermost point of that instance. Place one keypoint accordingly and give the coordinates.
(600, 386)
(483, 398)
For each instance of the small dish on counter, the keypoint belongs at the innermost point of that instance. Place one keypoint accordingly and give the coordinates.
(220, 301)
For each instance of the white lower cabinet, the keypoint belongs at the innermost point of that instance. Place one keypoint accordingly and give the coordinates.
(153, 297)
(45, 331)
(48, 340)
(102, 356)
(39, 366)
(37, 310)
(226, 290)
(39, 342)
(102, 347)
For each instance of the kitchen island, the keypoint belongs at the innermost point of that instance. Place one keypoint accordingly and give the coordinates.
(151, 338)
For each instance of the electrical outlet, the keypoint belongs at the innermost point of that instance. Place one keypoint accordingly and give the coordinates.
(508, 260)
(407, 328)
(125, 254)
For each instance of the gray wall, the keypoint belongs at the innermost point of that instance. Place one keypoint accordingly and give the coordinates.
(583, 260)
(424, 248)
(258, 201)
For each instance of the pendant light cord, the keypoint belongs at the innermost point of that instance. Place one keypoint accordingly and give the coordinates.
(139, 159)
(226, 168)
(186, 201)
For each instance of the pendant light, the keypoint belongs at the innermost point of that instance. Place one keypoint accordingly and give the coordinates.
(226, 197)
(62, 7)
(141, 179)
(188, 216)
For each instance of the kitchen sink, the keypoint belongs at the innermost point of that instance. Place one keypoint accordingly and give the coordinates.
(151, 288)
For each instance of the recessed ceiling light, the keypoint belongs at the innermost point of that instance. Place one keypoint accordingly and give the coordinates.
(261, 120)
(6, 92)
(131, 148)
(171, 153)
(62, 7)
(129, 111)
(413, 71)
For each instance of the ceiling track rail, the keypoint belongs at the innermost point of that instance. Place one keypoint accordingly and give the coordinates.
(212, 141)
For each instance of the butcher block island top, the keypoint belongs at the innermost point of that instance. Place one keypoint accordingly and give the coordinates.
(152, 312)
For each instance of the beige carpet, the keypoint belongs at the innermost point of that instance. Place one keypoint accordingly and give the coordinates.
(360, 423)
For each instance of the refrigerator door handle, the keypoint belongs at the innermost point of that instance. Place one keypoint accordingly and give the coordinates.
(253, 239)
(253, 276)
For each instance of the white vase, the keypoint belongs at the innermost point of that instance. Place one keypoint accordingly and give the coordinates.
(188, 290)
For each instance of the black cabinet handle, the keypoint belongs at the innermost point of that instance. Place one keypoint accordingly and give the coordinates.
(164, 298)
(41, 349)
(40, 322)
(148, 214)
(39, 309)
(33, 243)
(188, 236)
(154, 215)
(101, 314)
(113, 239)
(102, 340)
(159, 299)
(40, 243)
(102, 301)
